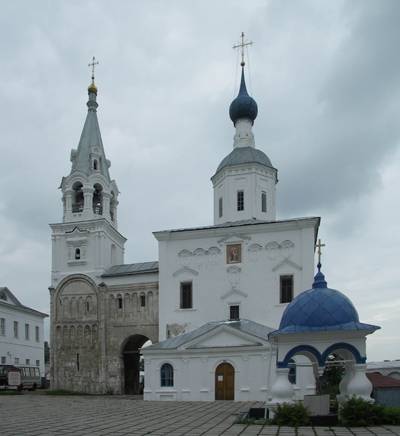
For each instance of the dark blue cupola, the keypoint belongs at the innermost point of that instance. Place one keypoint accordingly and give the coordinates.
(243, 106)
(320, 309)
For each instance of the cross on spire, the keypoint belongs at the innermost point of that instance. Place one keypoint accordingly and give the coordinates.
(93, 64)
(242, 45)
(319, 245)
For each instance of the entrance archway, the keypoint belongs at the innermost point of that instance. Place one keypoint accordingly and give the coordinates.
(225, 382)
(133, 379)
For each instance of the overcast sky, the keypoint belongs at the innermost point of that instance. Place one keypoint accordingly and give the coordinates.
(325, 75)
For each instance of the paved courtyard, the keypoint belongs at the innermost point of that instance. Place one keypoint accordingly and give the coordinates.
(42, 415)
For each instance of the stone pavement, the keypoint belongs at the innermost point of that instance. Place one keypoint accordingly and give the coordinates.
(42, 415)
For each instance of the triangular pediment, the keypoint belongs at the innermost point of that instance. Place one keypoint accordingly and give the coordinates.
(232, 238)
(287, 262)
(224, 337)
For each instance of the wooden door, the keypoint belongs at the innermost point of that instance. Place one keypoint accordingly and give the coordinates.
(225, 382)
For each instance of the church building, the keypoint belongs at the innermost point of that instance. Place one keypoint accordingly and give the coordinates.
(218, 304)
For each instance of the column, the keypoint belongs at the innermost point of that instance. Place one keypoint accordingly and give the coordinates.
(282, 389)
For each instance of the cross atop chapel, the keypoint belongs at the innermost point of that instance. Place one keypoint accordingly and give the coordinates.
(319, 245)
(242, 45)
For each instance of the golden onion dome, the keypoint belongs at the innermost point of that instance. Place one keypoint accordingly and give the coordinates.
(92, 88)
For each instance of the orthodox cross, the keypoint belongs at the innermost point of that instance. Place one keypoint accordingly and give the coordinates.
(92, 64)
(319, 246)
(242, 45)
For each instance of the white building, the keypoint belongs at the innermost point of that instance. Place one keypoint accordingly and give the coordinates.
(215, 305)
(21, 333)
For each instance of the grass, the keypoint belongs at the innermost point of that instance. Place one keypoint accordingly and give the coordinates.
(11, 392)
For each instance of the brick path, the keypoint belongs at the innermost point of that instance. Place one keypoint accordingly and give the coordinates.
(42, 415)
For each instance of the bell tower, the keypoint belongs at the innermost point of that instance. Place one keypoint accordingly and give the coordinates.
(87, 241)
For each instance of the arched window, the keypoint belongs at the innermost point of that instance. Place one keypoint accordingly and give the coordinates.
(77, 197)
(112, 206)
(77, 253)
(95, 166)
(120, 302)
(98, 199)
(167, 375)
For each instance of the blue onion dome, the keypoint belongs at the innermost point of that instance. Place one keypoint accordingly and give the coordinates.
(243, 106)
(320, 309)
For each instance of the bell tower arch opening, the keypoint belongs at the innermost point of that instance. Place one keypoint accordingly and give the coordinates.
(132, 369)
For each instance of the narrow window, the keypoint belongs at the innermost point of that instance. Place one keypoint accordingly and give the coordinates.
(119, 302)
(16, 360)
(234, 312)
(186, 295)
(292, 372)
(3, 360)
(37, 333)
(143, 300)
(220, 207)
(27, 361)
(240, 200)
(27, 332)
(167, 375)
(95, 164)
(77, 253)
(2, 326)
(38, 363)
(286, 291)
(15, 329)
(263, 201)
(87, 306)
(77, 361)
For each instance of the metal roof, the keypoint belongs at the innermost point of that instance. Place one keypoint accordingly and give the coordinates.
(244, 155)
(131, 269)
(244, 325)
(239, 223)
(16, 304)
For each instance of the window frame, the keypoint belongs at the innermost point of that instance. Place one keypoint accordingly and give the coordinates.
(2, 326)
(284, 292)
(264, 201)
(16, 329)
(220, 207)
(37, 333)
(27, 332)
(240, 200)
(232, 307)
(182, 297)
(166, 379)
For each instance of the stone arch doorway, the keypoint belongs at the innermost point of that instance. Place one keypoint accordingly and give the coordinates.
(225, 382)
(132, 377)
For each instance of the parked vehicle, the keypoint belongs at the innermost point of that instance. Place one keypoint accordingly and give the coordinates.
(30, 377)
(10, 377)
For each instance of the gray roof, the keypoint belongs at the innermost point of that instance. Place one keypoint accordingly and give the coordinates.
(90, 137)
(244, 155)
(131, 269)
(240, 223)
(6, 294)
(244, 325)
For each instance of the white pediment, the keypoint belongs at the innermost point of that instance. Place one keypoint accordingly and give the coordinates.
(287, 262)
(185, 269)
(224, 337)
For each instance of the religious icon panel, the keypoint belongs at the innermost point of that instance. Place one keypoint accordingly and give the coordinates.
(233, 253)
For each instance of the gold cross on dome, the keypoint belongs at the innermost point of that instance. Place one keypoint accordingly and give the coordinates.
(319, 246)
(93, 64)
(242, 45)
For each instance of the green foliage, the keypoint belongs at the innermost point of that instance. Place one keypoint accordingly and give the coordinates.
(10, 392)
(291, 414)
(356, 412)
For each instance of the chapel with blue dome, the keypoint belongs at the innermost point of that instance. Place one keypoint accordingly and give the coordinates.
(320, 309)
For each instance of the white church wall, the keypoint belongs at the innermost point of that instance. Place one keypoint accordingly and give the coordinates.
(200, 257)
(194, 374)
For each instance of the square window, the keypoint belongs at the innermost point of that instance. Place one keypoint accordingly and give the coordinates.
(3, 359)
(27, 361)
(16, 360)
(38, 363)
(186, 295)
(286, 288)
(234, 312)
(233, 253)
